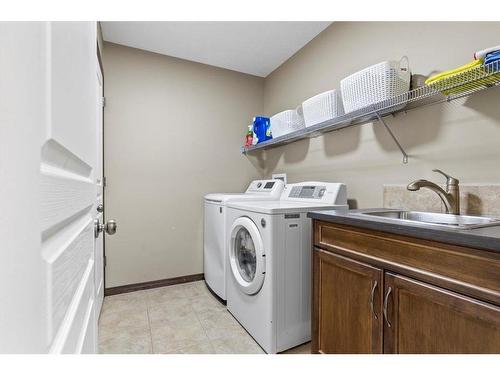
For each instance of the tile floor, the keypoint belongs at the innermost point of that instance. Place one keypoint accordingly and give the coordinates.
(177, 319)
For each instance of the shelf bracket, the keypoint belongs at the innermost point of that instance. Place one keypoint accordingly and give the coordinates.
(405, 155)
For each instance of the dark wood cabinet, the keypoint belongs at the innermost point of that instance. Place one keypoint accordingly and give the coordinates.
(348, 299)
(380, 293)
(422, 318)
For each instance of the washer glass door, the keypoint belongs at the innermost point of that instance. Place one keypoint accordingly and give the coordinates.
(247, 255)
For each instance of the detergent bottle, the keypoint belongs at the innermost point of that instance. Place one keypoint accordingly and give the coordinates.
(249, 136)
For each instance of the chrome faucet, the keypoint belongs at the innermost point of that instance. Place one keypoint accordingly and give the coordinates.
(450, 197)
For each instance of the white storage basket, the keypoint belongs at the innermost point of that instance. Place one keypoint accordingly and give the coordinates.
(286, 122)
(322, 107)
(376, 83)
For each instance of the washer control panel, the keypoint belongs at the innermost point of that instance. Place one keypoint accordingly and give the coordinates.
(316, 192)
(307, 192)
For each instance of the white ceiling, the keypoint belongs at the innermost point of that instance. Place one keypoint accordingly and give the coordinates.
(255, 48)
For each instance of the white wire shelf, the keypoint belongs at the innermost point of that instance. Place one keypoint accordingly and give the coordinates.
(457, 86)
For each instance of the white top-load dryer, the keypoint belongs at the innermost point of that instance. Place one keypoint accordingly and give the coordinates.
(214, 243)
(269, 262)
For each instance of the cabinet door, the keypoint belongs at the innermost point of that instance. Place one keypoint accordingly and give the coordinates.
(347, 302)
(422, 318)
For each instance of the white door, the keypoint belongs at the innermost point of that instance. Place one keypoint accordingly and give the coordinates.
(99, 240)
(247, 256)
(49, 158)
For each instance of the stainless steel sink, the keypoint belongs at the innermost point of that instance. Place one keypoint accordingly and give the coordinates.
(434, 219)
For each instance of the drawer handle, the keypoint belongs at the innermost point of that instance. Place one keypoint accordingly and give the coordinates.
(372, 297)
(386, 301)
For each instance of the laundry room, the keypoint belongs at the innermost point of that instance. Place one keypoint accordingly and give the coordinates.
(235, 241)
(250, 187)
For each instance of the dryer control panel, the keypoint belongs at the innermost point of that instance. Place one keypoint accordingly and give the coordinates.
(265, 186)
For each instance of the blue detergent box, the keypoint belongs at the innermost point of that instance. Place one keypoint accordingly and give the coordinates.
(262, 128)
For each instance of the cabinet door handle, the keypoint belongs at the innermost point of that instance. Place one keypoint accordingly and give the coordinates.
(372, 297)
(386, 301)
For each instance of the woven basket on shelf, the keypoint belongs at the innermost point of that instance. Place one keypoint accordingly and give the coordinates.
(376, 83)
(322, 107)
(286, 122)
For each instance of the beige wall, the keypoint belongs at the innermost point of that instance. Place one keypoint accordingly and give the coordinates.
(462, 138)
(173, 129)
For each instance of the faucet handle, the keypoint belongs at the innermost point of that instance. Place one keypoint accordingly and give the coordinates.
(449, 180)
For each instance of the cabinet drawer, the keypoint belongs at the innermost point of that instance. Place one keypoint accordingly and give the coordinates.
(469, 271)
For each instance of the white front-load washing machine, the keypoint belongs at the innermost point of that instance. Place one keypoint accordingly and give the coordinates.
(269, 262)
(214, 243)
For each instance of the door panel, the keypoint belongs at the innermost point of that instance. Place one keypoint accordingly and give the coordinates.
(67, 258)
(68, 186)
(343, 320)
(427, 319)
(79, 323)
(71, 52)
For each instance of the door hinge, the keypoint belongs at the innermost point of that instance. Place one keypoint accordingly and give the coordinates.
(105, 261)
(103, 101)
(104, 182)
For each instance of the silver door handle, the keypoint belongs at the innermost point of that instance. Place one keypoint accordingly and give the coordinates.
(372, 297)
(109, 227)
(386, 301)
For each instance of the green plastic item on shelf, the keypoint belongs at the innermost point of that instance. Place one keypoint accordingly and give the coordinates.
(463, 79)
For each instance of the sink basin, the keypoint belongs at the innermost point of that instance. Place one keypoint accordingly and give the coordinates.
(434, 219)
